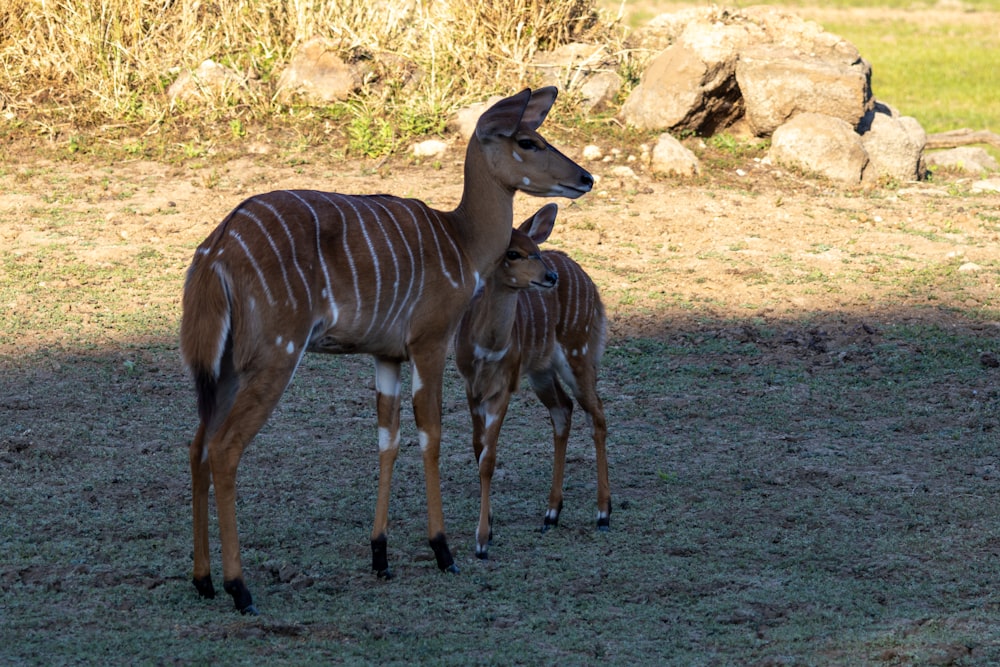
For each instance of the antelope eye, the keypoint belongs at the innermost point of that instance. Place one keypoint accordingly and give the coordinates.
(512, 254)
(527, 144)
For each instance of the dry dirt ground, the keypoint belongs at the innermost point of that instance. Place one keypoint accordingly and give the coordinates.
(745, 240)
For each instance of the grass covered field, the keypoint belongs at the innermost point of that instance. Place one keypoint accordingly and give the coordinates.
(802, 388)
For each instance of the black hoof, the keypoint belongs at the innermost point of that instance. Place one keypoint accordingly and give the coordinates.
(380, 557)
(205, 587)
(443, 555)
(603, 528)
(242, 599)
(250, 611)
(482, 555)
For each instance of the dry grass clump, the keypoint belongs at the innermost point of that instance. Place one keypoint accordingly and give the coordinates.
(71, 64)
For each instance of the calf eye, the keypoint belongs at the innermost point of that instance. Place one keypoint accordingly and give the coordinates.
(512, 254)
(527, 144)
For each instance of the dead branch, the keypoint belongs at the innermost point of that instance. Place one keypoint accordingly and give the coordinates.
(963, 137)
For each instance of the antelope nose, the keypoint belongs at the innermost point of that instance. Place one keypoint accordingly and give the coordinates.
(587, 180)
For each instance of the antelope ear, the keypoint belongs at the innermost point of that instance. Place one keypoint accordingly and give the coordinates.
(502, 119)
(538, 107)
(539, 226)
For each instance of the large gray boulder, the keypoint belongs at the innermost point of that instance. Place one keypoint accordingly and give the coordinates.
(714, 63)
(895, 145)
(821, 144)
(778, 83)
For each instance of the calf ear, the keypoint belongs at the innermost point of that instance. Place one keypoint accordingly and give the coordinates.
(539, 226)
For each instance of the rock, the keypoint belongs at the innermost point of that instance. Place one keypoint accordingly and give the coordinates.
(317, 75)
(987, 185)
(670, 156)
(464, 120)
(691, 85)
(822, 144)
(210, 80)
(592, 153)
(586, 68)
(777, 84)
(972, 159)
(680, 92)
(431, 148)
(894, 144)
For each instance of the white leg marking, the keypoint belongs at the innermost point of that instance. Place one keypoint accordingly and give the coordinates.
(564, 370)
(417, 382)
(386, 378)
(386, 440)
(424, 439)
(558, 422)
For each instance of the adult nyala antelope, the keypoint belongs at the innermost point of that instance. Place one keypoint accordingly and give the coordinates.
(295, 271)
(539, 315)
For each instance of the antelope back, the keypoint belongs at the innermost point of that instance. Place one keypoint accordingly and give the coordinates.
(337, 273)
(567, 320)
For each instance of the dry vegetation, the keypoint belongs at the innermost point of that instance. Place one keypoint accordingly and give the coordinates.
(73, 64)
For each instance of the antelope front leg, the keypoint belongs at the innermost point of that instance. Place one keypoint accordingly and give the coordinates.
(428, 370)
(387, 402)
(487, 418)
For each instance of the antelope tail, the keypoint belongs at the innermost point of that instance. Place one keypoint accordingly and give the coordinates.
(206, 333)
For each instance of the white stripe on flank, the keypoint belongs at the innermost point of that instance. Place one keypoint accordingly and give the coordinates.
(394, 311)
(291, 246)
(253, 263)
(329, 197)
(431, 219)
(277, 254)
(334, 310)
